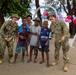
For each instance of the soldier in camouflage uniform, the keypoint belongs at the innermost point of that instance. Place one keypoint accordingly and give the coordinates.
(61, 32)
(7, 33)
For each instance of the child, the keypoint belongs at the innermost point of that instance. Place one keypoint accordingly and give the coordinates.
(22, 40)
(29, 23)
(35, 32)
(45, 35)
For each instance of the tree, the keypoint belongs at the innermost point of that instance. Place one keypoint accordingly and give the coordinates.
(71, 7)
(38, 13)
(7, 7)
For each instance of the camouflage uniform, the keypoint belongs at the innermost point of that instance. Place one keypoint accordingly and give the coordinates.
(7, 30)
(60, 29)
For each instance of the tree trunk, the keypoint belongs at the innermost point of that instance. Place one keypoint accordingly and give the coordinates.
(38, 13)
(69, 7)
(72, 26)
(74, 7)
(30, 0)
(1, 17)
(72, 29)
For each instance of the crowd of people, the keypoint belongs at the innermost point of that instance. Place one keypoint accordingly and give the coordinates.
(35, 36)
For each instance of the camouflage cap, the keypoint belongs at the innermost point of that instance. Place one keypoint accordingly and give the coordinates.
(37, 19)
(15, 15)
(52, 14)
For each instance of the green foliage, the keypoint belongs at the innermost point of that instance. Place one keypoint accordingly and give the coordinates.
(0, 3)
(19, 7)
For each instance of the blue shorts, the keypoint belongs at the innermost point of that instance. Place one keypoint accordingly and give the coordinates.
(20, 46)
(18, 49)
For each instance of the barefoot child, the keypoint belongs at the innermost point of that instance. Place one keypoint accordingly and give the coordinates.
(45, 36)
(22, 40)
(35, 32)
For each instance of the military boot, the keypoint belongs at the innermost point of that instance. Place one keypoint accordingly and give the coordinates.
(1, 61)
(65, 67)
(11, 60)
(54, 63)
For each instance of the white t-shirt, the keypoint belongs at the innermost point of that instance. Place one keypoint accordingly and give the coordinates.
(34, 38)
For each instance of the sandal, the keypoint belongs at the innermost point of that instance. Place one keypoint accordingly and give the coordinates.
(23, 61)
(35, 60)
(29, 61)
(14, 62)
(26, 54)
(48, 65)
(41, 62)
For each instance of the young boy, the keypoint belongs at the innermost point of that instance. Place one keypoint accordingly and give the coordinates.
(45, 36)
(29, 23)
(22, 40)
(35, 32)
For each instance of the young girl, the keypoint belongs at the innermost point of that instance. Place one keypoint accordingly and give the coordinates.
(45, 36)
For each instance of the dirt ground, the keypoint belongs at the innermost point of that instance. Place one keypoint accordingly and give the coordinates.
(40, 69)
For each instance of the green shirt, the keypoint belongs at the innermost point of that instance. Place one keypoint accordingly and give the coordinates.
(60, 29)
(8, 29)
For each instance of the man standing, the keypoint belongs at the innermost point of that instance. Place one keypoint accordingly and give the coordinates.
(7, 33)
(59, 28)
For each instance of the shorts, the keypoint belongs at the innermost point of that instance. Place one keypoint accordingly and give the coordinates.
(18, 49)
(21, 44)
(44, 48)
(33, 47)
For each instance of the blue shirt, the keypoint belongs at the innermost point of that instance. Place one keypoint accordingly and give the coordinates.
(23, 31)
(45, 34)
(21, 28)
